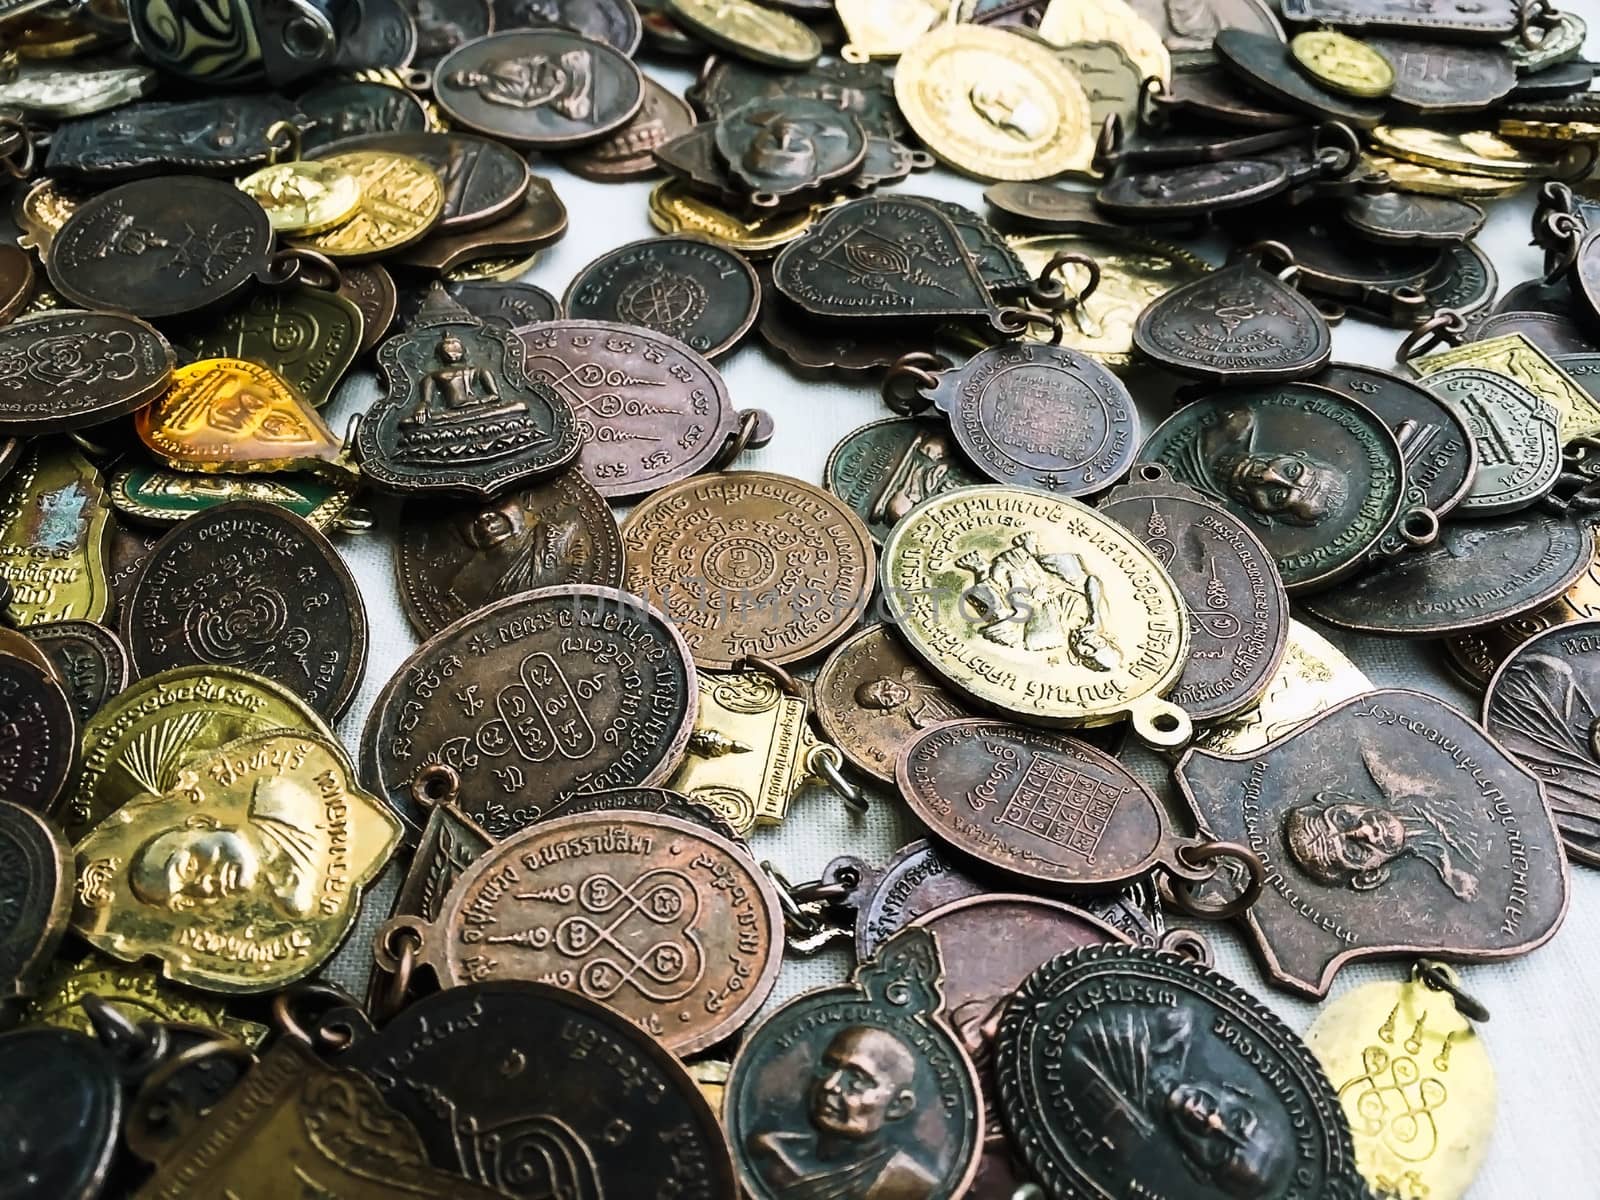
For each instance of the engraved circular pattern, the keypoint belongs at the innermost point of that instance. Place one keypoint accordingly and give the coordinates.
(160, 247)
(40, 734)
(544, 695)
(452, 561)
(1066, 657)
(253, 587)
(993, 105)
(671, 925)
(650, 410)
(72, 370)
(819, 586)
(1192, 1037)
(1318, 475)
(702, 294)
(1518, 434)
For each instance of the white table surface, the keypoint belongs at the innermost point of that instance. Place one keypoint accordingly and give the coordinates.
(1544, 1036)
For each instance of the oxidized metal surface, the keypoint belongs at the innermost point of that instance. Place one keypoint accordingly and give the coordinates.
(442, 25)
(661, 801)
(89, 659)
(1437, 443)
(454, 560)
(541, 696)
(1558, 334)
(167, 497)
(483, 180)
(1478, 573)
(306, 335)
(919, 877)
(251, 586)
(1190, 190)
(1464, 280)
(698, 293)
(244, 876)
(54, 520)
(650, 411)
(1412, 219)
(73, 370)
(375, 33)
(230, 415)
(1518, 357)
(160, 247)
(293, 1123)
(371, 289)
(543, 89)
(63, 1113)
(990, 945)
(1238, 324)
(1439, 78)
(1187, 28)
(1036, 415)
(883, 470)
(1542, 706)
(859, 1089)
(1237, 609)
(402, 200)
(1038, 806)
(1516, 434)
(627, 153)
(542, 219)
(882, 258)
(517, 306)
(750, 564)
(350, 108)
(1319, 475)
(672, 926)
(812, 345)
(148, 736)
(776, 148)
(1477, 654)
(1038, 606)
(223, 136)
(994, 105)
(614, 22)
(1462, 20)
(448, 845)
(605, 1112)
(873, 699)
(1313, 676)
(35, 897)
(462, 412)
(1261, 62)
(1391, 825)
(1129, 1071)
(1415, 1081)
(1134, 270)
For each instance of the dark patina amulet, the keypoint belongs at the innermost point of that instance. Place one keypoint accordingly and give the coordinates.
(1262, 64)
(455, 559)
(650, 411)
(660, 801)
(629, 152)
(1239, 324)
(757, 142)
(1391, 825)
(615, 22)
(535, 1090)
(90, 661)
(1130, 1072)
(544, 89)
(1517, 435)
(1438, 445)
(442, 25)
(1030, 413)
(1043, 807)
(746, 563)
(1543, 704)
(1409, 219)
(251, 586)
(884, 469)
(349, 109)
(859, 1090)
(545, 695)
(375, 33)
(160, 247)
(670, 924)
(462, 413)
(1478, 573)
(62, 371)
(702, 294)
(35, 897)
(484, 181)
(223, 136)
(1318, 476)
(308, 335)
(1237, 609)
(63, 1113)
(1456, 20)
(1190, 191)
(862, 89)
(517, 306)
(41, 731)
(540, 220)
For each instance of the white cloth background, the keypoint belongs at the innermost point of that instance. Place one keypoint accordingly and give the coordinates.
(1543, 1037)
